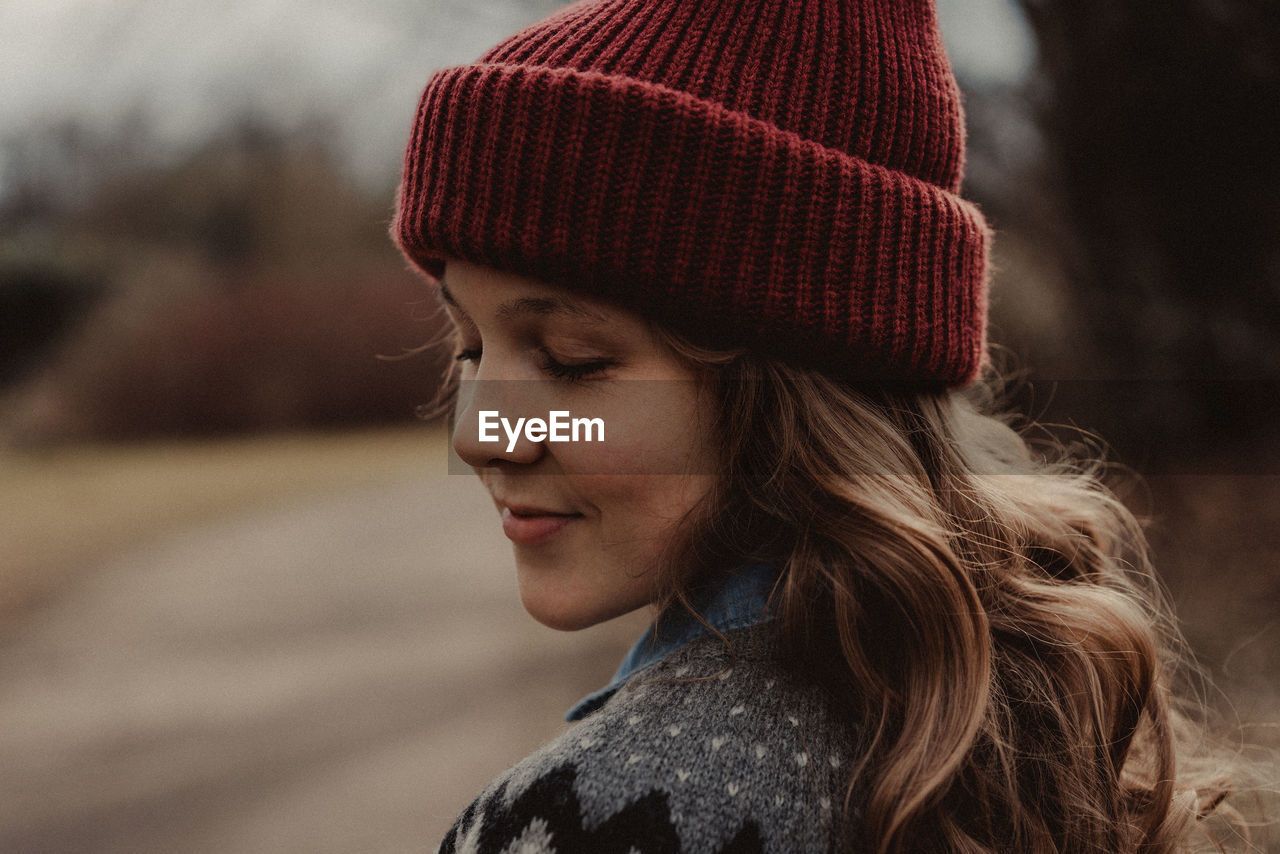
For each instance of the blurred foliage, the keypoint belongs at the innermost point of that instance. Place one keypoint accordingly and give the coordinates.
(251, 197)
(247, 286)
(221, 354)
(36, 304)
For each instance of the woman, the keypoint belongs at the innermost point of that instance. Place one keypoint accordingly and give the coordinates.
(731, 232)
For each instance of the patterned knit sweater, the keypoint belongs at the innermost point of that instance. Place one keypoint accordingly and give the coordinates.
(701, 752)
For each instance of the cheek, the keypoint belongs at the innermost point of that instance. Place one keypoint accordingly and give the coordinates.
(643, 508)
(650, 432)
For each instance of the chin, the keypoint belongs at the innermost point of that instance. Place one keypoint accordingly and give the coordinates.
(562, 613)
(562, 621)
(562, 610)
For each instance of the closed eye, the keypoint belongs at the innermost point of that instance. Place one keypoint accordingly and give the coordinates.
(572, 372)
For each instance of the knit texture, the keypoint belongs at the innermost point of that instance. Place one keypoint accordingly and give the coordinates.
(777, 174)
(700, 753)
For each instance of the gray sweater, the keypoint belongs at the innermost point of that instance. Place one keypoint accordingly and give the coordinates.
(699, 752)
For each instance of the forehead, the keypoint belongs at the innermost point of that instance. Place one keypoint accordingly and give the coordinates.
(480, 292)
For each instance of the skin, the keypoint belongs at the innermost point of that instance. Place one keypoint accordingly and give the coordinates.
(588, 520)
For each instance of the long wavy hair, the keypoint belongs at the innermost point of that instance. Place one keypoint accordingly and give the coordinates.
(982, 611)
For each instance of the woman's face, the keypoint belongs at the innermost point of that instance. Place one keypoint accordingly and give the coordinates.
(588, 518)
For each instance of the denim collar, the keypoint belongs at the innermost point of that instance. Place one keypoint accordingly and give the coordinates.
(741, 600)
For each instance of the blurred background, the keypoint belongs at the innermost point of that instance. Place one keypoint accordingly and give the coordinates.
(243, 607)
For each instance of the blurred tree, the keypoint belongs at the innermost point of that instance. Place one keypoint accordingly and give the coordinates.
(37, 306)
(1161, 122)
(251, 196)
(248, 285)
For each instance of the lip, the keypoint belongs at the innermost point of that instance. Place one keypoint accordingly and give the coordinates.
(530, 526)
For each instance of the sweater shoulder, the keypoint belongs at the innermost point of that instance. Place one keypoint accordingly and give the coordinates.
(716, 748)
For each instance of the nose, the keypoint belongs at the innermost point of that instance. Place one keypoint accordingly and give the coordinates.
(489, 422)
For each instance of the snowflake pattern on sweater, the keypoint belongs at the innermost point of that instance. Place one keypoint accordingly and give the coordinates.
(703, 752)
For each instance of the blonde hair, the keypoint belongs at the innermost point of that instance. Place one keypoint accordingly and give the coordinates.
(987, 617)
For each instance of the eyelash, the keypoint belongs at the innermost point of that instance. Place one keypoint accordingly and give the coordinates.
(555, 369)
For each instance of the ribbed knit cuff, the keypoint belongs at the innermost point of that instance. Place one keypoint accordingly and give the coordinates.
(699, 216)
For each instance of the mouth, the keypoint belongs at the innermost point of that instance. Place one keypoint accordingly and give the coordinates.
(531, 526)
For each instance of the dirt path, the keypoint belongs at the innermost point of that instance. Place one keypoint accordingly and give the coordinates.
(314, 678)
(62, 508)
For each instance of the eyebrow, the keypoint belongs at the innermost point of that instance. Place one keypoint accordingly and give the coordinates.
(536, 306)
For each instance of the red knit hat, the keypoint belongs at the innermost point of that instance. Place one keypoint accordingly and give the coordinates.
(781, 174)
